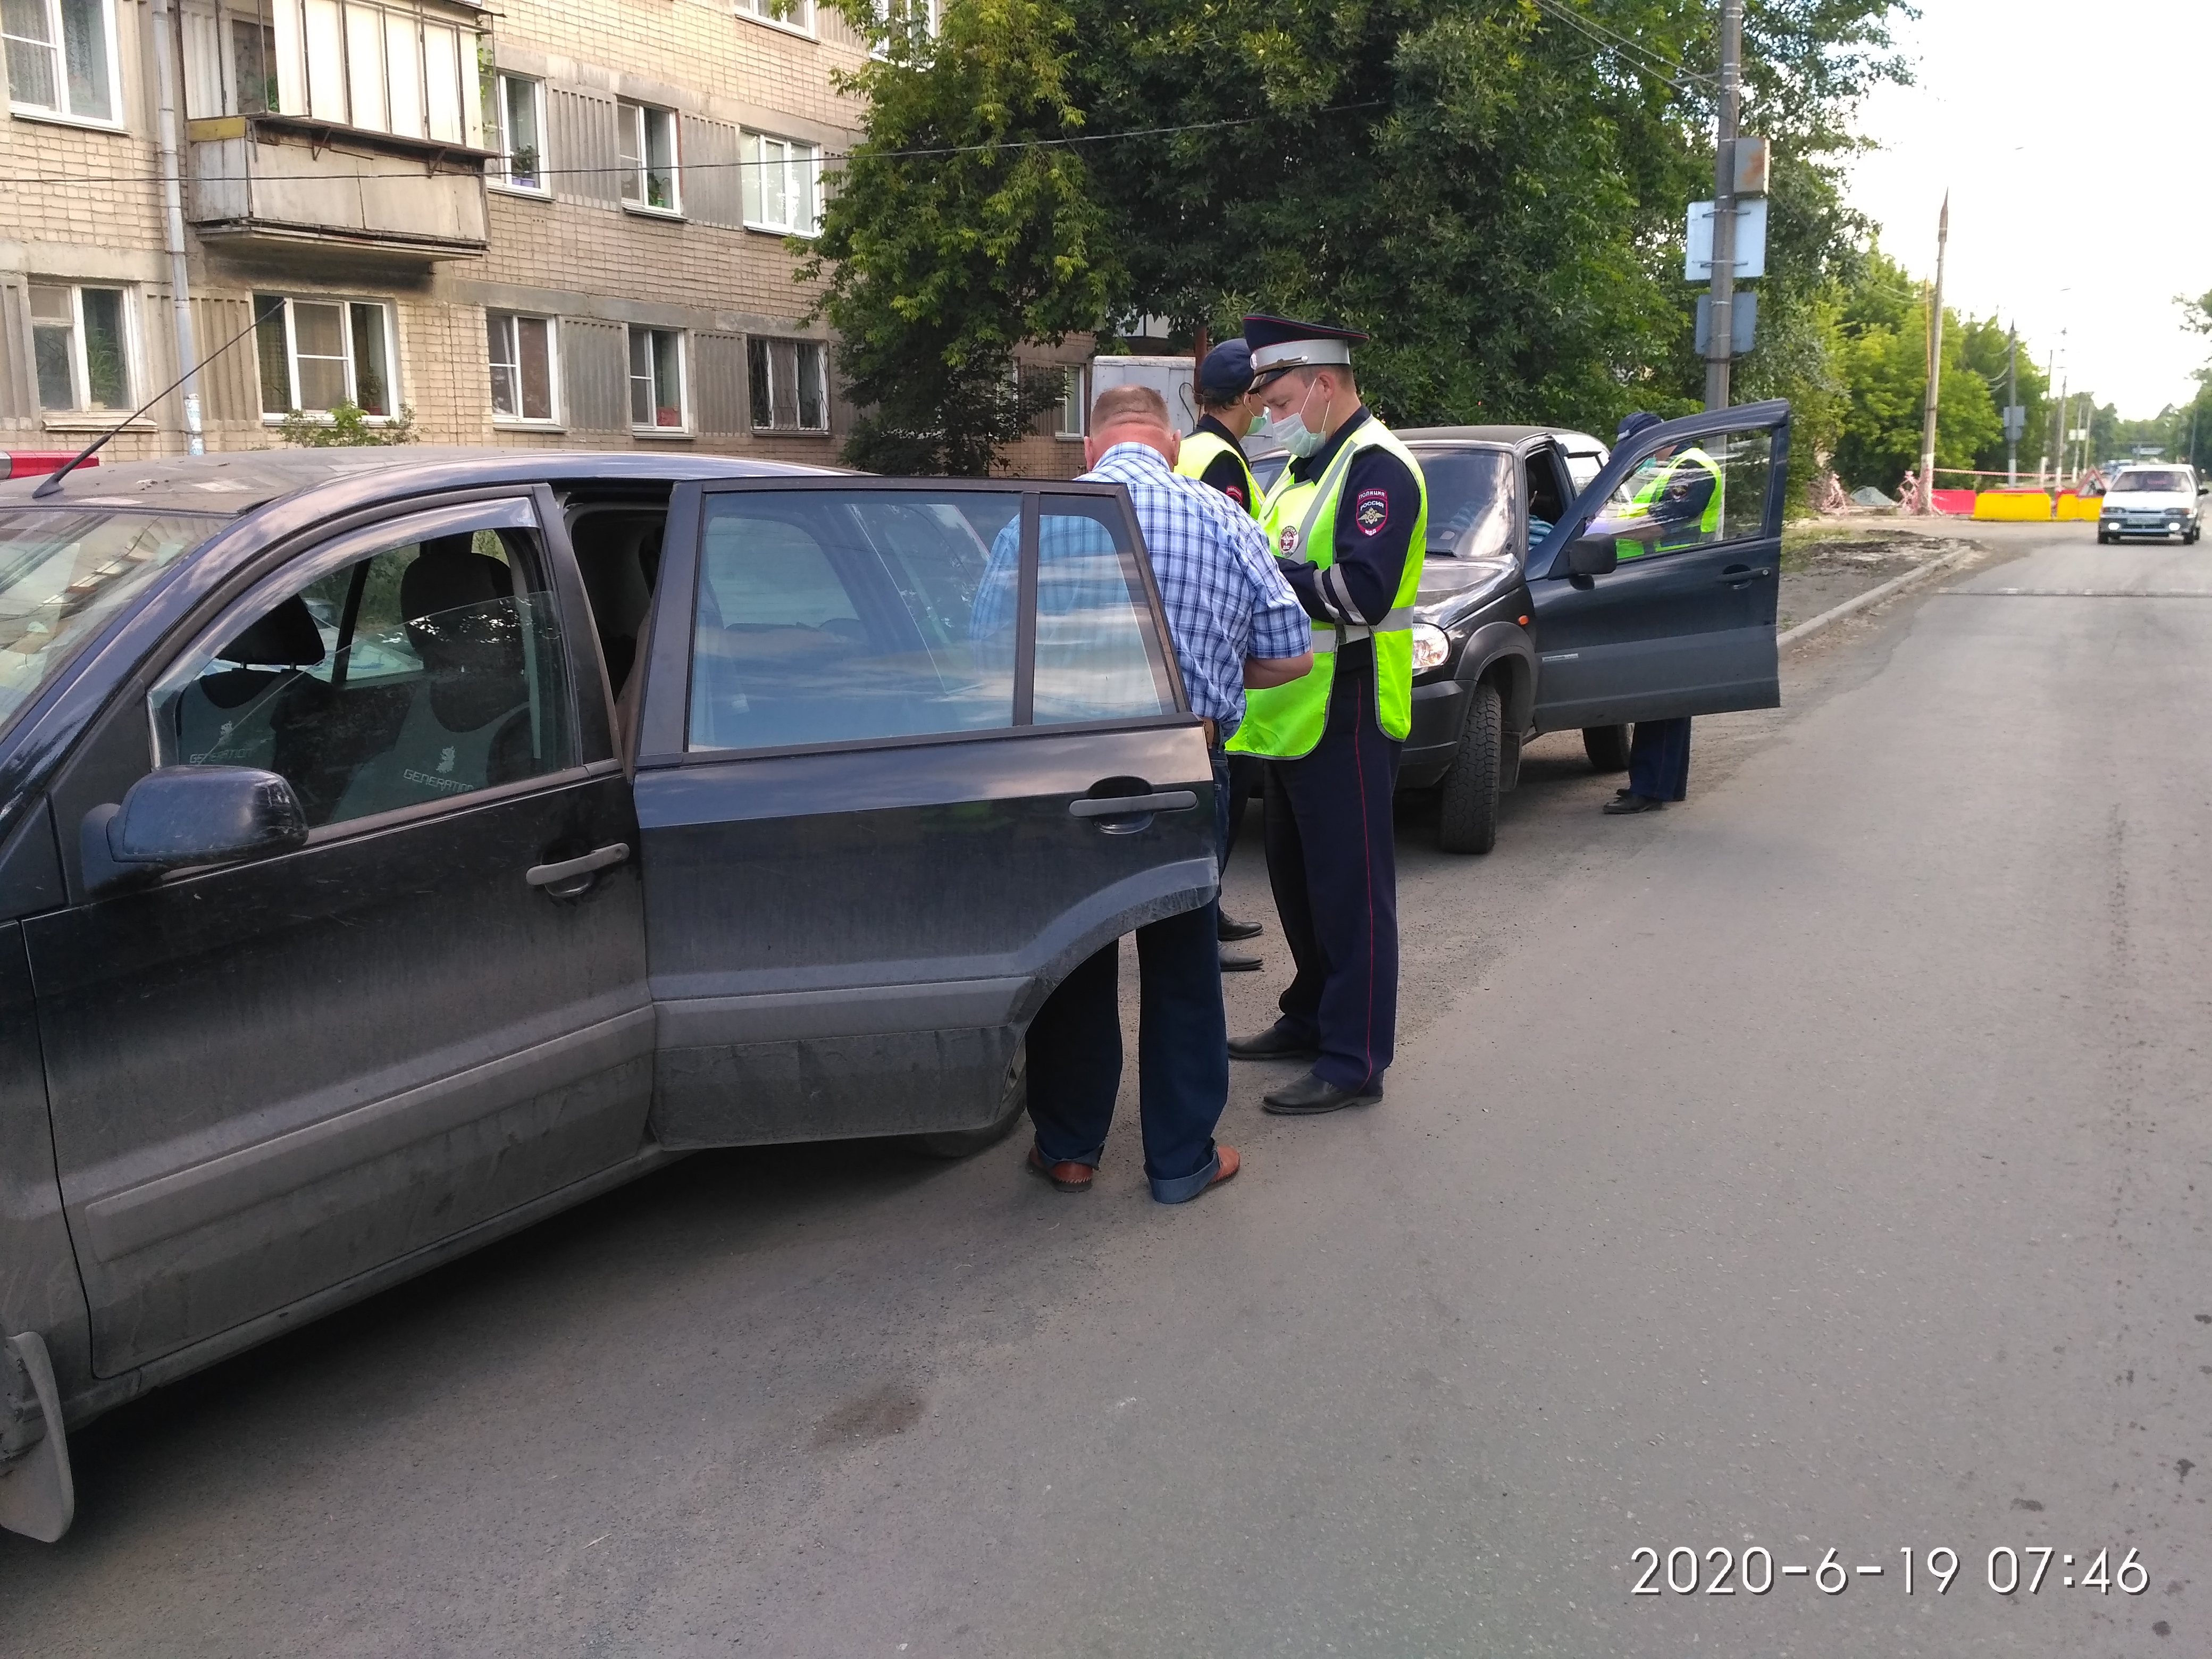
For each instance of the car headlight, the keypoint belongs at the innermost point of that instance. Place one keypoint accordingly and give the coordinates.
(1431, 648)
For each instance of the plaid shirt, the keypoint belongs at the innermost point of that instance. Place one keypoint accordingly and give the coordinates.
(1226, 599)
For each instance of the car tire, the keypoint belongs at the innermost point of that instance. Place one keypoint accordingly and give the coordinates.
(952, 1145)
(2190, 540)
(1467, 822)
(2103, 540)
(1607, 747)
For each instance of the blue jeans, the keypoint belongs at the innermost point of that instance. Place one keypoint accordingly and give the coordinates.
(1183, 1046)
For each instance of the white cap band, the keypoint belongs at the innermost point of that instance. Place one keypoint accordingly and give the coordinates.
(1300, 354)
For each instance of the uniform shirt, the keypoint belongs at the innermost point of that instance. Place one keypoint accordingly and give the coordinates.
(1226, 472)
(1361, 587)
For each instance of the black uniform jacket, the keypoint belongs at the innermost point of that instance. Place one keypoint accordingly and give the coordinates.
(1226, 473)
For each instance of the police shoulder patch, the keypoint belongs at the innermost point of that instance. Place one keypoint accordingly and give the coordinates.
(1236, 493)
(1372, 512)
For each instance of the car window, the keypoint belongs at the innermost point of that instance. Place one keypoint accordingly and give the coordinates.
(423, 671)
(1470, 501)
(1683, 495)
(2152, 481)
(835, 615)
(1098, 655)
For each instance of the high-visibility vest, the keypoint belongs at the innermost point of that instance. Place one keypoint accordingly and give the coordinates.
(1284, 722)
(1678, 537)
(1201, 449)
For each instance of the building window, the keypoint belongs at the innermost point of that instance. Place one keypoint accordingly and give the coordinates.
(515, 122)
(82, 346)
(1074, 408)
(252, 67)
(908, 18)
(61, 57)
(648, 158)
(395, 69)
(522, 366)
(789, 383)
(229, 58)
(783, 184)
(318, 353)
(797, 14)
(656, 381)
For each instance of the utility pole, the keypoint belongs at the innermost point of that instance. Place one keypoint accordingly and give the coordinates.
(1720, 343)
(2011, 409)
(1935, 364)
(172, 226)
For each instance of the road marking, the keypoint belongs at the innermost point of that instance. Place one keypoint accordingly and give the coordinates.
(2064, 593)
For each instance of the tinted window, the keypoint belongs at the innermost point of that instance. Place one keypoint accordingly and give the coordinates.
(1694, 495)
(424, 671)
(1470, 501)
(1097, 656)
(2148, 480)
(835, 615)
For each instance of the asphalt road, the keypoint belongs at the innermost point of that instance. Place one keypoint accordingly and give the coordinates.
(1822, 1163)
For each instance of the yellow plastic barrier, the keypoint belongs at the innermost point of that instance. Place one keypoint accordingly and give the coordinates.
(2071, 506)
(2015, 506)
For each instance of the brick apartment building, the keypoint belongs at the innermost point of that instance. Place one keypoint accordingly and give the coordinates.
(560, 223)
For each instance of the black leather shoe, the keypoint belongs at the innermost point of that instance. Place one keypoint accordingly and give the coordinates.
(1311, 1096)
(1235, 962)
(1278, 1042)
(1230, 928)
(1632, 803)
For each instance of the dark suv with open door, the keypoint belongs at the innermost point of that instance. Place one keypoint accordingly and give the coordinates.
(399, 845)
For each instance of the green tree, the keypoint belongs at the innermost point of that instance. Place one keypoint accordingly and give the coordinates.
(1882, 357)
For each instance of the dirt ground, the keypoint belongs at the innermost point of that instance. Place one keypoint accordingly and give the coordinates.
(1824, 564)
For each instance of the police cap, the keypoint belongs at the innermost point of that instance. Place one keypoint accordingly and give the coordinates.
(1633, 424)
(1282, 343)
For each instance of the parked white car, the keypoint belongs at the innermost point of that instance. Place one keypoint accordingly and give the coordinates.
(2152, 501)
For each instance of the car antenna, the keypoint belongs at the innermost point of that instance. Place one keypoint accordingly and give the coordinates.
(53, 480)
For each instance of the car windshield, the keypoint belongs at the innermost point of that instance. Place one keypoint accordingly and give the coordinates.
(2152, 480)
(1470, 506)
(63, 572)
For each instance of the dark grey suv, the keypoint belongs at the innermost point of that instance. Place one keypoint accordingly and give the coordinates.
(1526, 625)
(397, 846)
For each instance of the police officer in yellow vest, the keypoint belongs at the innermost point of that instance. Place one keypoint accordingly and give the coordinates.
(1677, 505)
(1213, 453)
(1349, 523)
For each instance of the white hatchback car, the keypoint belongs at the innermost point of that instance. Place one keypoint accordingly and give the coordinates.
(2152, 501)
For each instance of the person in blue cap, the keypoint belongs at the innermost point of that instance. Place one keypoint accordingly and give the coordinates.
(1213, 453)
(1348, 522)
(1674, 503)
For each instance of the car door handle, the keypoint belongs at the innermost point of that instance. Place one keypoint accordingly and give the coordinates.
(1737, 574)
(1123, 806)
(550, 875)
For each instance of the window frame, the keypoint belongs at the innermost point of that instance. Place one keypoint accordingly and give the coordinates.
(753, 163)
(331, 549)
(80, 410)
(56, 47)
(663, 728)
(806, 8)
(548, 422)
(885, 26)
(500, 176)
(1076, 397)
(394, 400)
(635, 115)
(683, 338)
(766, 345)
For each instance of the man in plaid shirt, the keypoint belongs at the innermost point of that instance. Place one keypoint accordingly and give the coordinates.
(1234, 623)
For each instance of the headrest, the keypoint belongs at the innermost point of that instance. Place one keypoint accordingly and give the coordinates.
(447, 576)
(285, 638)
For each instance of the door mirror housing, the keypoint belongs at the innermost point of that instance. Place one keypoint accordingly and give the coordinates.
(1593, 556)
(179, 817)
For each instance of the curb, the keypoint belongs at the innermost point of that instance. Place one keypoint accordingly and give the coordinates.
(1873, 596)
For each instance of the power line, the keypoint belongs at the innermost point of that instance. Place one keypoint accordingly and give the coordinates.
(1667, 67)
(708, 167)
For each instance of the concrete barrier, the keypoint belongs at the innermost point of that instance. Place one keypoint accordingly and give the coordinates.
(1958, 503)
(2013, 506)
(2071, 506)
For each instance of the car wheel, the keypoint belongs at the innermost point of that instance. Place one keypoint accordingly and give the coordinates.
(2102, 539)
(1469, 820)
(953, 1144)
(2190, 540)
(1607, 747)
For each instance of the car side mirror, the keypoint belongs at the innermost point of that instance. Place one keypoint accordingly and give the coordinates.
(1593, 556)
(178, 816)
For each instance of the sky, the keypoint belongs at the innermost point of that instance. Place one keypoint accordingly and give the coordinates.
(2066, 136)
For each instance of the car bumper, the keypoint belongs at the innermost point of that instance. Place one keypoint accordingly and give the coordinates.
(2145, 527)
(1439, 708)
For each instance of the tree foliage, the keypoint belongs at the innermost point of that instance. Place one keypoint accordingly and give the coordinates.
(1494, 188)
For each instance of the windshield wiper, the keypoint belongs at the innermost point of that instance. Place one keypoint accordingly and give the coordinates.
(53, 481)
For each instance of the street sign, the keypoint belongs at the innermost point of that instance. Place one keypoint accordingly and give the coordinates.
(2015, 420)
(1750, 241)
(1751, 158)
(1743, 322)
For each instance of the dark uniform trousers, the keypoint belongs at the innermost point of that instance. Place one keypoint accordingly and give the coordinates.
(1659, 759)
(1182, 1047)
(1331, 862)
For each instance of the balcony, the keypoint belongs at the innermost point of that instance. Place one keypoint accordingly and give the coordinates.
(352, 123)
(274, 181)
